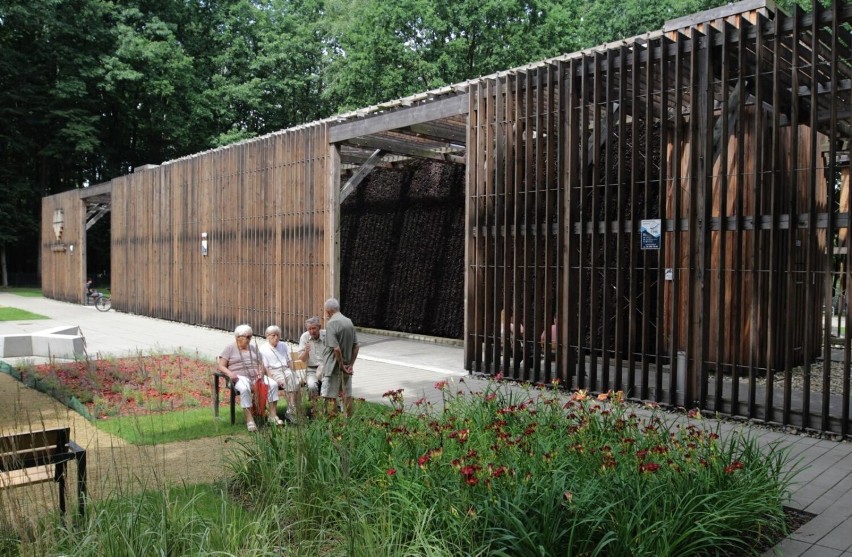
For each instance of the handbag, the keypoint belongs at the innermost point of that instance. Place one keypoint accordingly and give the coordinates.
(260, 393)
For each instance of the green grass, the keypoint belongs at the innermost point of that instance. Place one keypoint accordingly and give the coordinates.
(15, 314)
(187, 520)
(153, 429)
(27, 291)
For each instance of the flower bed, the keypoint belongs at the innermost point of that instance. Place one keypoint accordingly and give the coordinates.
(512, 472)
(124, 386)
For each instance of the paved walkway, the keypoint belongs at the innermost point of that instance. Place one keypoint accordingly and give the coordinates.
(823, 487)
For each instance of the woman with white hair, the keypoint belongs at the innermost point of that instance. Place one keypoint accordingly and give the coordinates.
(276, 358)
(242, 364)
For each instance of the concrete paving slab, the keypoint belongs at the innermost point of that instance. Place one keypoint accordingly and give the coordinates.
(839, 538)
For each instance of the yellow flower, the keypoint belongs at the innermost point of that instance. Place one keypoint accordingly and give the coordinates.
(581, 395)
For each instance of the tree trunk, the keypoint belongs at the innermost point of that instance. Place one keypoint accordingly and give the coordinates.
(3, 270)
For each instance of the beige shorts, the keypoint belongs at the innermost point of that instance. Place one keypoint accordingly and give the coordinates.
(286, 379)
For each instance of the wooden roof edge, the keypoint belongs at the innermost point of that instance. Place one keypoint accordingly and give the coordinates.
(728, 10)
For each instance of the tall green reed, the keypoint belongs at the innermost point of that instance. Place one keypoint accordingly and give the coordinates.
(504, 471)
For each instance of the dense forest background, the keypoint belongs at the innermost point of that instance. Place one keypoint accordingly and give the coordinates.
(90, 89)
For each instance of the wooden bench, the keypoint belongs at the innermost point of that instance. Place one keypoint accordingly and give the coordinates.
(42, 456)
(218, 377)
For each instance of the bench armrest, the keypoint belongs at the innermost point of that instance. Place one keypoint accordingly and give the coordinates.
(219, 375)
(76, 449)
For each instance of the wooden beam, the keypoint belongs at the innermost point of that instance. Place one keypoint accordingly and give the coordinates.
(428, 112)
(398, 147)
(451, 134)
(95, 191)
(360, 174)
(95, 214)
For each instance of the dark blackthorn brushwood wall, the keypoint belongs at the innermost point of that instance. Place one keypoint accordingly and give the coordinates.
(402, 250)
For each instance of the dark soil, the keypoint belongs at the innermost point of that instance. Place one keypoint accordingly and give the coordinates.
(795, 520)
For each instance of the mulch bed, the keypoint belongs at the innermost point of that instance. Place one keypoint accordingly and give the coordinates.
(125, 386)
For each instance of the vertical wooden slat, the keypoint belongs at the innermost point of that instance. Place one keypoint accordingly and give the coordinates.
(535, 305)
(811, 252)
(639, 113)
(655, 338)
(522, 315)
(675, 188)
(736, 327)
(549, 257)
(606, 217)
(595, 343)
(490, 232)
(507, 136)
(563, 231)
(497, 124)
(622, 192)
(847, 282)
(792, 209)
(722, 235)
(825, 410)
(571, 316)
(775, 181)
(757, 234)
(473, 231)
(703, 209)
(510, 328)
(693, 198)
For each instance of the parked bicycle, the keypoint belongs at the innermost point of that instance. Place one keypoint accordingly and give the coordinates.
(102, 301)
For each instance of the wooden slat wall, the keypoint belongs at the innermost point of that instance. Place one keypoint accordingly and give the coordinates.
(264, 205)
(565, 159)
(62, 268)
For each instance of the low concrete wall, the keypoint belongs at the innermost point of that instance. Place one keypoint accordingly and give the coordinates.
(58, 342)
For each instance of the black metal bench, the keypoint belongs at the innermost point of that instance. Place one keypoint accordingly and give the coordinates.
(42, 456)
(218, 376)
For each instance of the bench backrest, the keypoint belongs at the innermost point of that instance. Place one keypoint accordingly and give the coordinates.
(35, 448)
(297, 363)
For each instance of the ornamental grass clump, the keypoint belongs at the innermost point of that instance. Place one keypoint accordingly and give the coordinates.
(508, 471)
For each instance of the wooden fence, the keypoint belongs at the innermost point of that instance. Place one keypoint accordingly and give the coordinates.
(235, 235)
(712, 147)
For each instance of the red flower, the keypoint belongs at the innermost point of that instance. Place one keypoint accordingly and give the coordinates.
(498, 471)
(646, 467)
(391, 471)
(734, 466)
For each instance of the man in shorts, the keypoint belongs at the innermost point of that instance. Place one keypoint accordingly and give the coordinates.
(341, 349)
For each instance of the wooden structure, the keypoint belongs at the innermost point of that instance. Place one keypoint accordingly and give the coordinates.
(723, 131)
(43, 456)
(716, 143)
